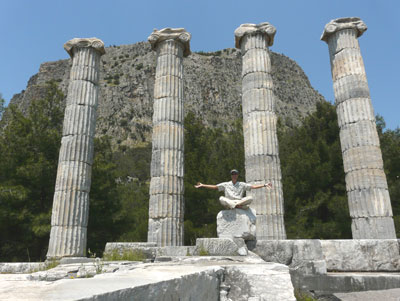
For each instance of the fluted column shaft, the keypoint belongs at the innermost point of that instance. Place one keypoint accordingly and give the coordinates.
(259, 128)
(367, 190)
(71, 198)
(166, 207)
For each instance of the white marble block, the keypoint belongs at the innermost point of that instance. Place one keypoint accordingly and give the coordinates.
(237, 223)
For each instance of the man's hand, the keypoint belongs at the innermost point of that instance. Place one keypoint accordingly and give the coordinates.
(268, 185)
(198, 185)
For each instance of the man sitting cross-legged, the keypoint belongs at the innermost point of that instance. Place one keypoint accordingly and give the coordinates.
(234, 191)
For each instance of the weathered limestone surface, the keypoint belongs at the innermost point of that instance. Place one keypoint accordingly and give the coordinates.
(260, 282)
(166, 206)
(236, 223)
(71, 198)
(192, 278)
(148, 250)
(367, 191)
(220, 247)
(259, 127)
(362, 255)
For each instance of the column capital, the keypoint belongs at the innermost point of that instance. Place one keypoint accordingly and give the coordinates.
(343, 23)
(178, 34)
(95, 43)
(249, 28)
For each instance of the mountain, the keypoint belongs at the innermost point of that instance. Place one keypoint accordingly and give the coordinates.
(212, 90)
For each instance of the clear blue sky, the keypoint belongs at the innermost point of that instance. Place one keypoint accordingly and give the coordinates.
(33, 32)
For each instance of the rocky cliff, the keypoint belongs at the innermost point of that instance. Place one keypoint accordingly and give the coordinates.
(212, 89)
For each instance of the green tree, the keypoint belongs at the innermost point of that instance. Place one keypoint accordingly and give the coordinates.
(390, 146)
(2, 105)
(313, 178)
(29, 146)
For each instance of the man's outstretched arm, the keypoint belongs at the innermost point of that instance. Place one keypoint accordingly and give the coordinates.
(267, 185)
(199, 185)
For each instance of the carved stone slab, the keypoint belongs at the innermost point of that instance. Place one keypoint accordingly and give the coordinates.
(250, 28)
(343, 23)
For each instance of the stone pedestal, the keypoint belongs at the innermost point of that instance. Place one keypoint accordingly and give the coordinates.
(259, 128)
(166, 206)
(237, 223)
(71, 199)
(367, 191)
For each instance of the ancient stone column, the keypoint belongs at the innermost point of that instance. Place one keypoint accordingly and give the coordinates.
(259, 128)
(70, 213)
(366, 185)
(166, 207)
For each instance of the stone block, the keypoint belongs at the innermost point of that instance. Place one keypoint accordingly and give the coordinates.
(168, 86)
(352, 86)
(361, 254)
(21, 267)
(75, 205)
(169, 47)
(166, 184)
(373, 228)
(310, 267)
(82, 92)
(279, 251)
(167, 162)
(77, 148)
(306, 250)
(67, 240)
(268, 281)
(167, 135)
(176, 251)
(258, 100)
(362, 157)
(236, 223)
(257, 80)
(167, 231)
(219, 247)
(148, 250)
(366, 179)
(347, 62)
(266, 201)
(341, 39)
(169, 64)
(73, 175)
(357, 134)
(256, 60)
(168, 109)
(69, 260)
(79, 120)
(354, 110)
(263, 168)
(369, 202)
(166, 205)
(270, 226)
(86, 73)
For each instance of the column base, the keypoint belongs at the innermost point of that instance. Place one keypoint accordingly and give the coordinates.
(67, 241)
(270, 227)
(166, 231)
(373, 228)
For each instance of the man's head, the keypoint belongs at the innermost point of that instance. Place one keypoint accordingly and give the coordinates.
(234, 175)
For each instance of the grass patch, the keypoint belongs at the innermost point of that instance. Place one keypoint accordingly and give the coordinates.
(203, 251)
(129, 255)
(302, 296)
